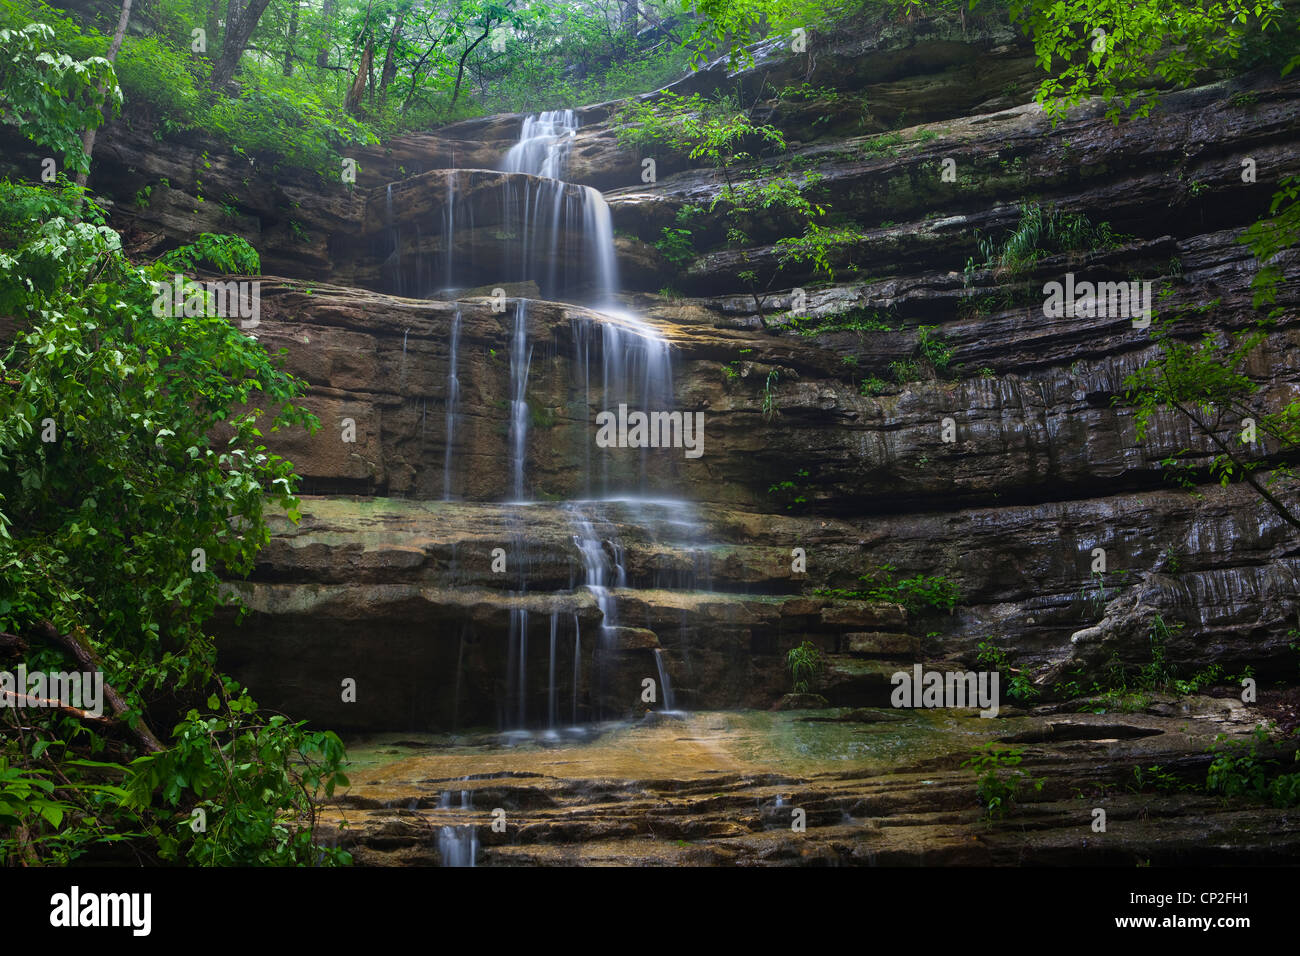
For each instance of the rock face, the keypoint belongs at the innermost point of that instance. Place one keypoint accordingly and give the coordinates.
(1009, 474)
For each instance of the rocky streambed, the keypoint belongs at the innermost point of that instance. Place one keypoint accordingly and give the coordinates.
(865, 787)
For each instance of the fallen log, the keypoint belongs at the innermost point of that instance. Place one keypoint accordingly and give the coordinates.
(89, 660)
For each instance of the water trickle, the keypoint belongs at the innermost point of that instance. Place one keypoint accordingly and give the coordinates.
(577, 664)
(458, 846)
(519, 620)
(564, 234)
(595, 566)
(665, 683)
(453, 399)
(449, 233)
(551, 702)
(521, 355)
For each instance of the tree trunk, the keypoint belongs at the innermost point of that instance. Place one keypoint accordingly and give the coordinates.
(353, 101)
(627, 19)
(460, 70)
(390, 63)
(237, 34)
(89, 660)
(293, 35)
(88, 134)
(327, 14)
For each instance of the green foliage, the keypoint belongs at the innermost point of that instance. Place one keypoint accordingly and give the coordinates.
(724, 135)
(1270, 237)
(1116, 48)
(918, 594)
(998, 778)
(1129, 690)
(1205, 381)
(817, 245)
(163, 79)
(805, 663)
(854, 320)
(1019, 687)
(886, 144)
(283, 119)
(676, 246)
(904, 371)
(50, 96)
(1158, 778)
(936, 352)
(251, 778)
(717, 130)
(98, 536)
(229, 254)
(1253, 769)
(872, 386)
(732, 24)
(1037, 235)
(791, 491)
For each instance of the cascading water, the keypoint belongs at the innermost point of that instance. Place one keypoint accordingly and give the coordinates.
(544, 143)
(562, 238)
(521, 356)
(457, 845)
(665, 684)
(449, 232)
(552, 712)
(453, 399)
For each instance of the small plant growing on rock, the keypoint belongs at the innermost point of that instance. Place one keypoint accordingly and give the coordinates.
(998, 780)
(1253, 770)
(1018, 685)
(918, 593)
(769, 398)
(873, 386)
(805, 663)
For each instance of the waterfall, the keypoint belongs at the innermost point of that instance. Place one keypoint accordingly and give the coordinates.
(453, 398)
(594, 566)
(449, 232)
(543, 147)
(392, 264)
(457, 845)
(521, 356)
(598, 226)
(562, 237)
(634, 368)
(566, 232)
(551, 705)
(665, 684)
(521, 615)
(577, 664)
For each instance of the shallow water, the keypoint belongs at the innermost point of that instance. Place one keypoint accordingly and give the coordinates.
(688, 747)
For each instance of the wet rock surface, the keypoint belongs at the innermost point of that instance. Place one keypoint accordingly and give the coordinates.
(797, 790)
